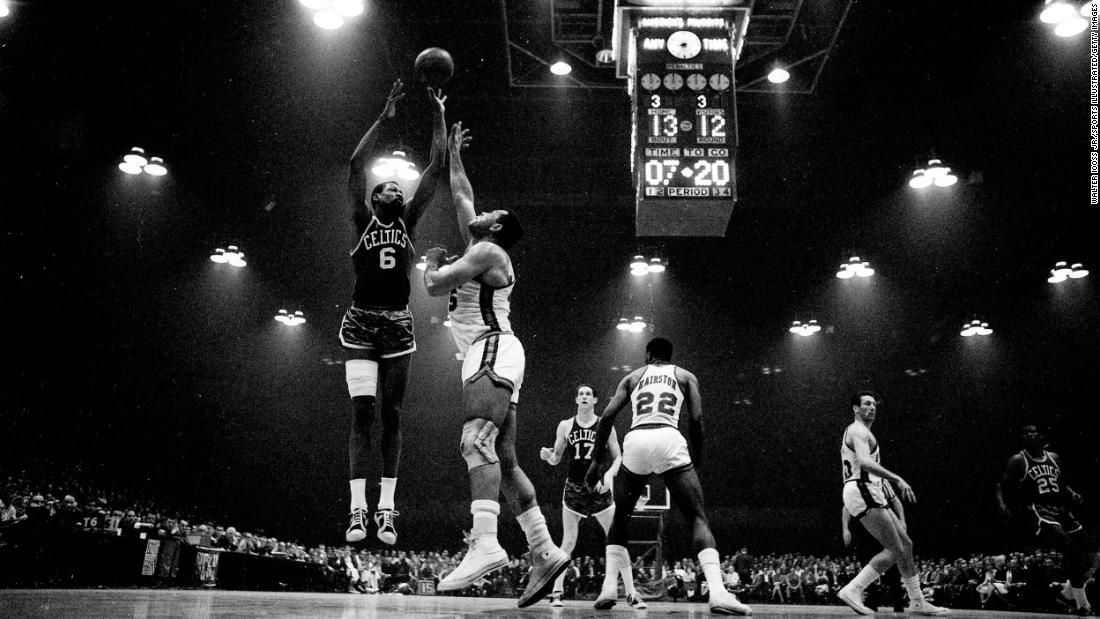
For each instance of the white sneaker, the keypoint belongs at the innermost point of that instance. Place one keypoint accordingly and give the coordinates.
(636, 601)
(924, 607)
(726, 603)
(545, 567)
(854, 600)
(483, 556)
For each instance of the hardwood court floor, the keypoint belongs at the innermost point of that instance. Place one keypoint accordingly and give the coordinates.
(147, 603)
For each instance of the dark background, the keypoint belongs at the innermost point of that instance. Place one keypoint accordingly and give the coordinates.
(134, 357)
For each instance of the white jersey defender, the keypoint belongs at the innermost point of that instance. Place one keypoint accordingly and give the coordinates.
(654, 443)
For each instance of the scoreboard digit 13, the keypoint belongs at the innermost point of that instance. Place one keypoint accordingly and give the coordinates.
(685, 122)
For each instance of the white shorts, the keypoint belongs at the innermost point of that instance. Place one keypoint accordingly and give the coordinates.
(861, 496)
(499, 356)
(655, 450)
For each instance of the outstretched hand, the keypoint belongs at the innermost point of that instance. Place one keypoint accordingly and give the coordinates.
(437, 99)
(396, 94)
(459, 138)
(906, 491)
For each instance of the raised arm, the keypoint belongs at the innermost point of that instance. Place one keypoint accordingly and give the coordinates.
(461, 190)
(553, 455)
(360, 157)
(427, 191)
(860, 437)
(694, 402)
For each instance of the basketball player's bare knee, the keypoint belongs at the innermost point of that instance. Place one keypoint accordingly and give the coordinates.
(362, 412)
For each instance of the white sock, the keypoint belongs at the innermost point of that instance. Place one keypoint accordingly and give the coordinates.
(534, 527)
(712, 568)
(485, 519)
(358, 494)
(864, 578)
(912, 587)
(613, 559)
(627, 572)
(1079, 597)
(389, 484)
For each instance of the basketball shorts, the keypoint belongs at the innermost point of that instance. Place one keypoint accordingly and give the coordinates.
(861, 496)
(659, 449)
(387, 333)
(1040, 516)
(498, 356)
(579, 500)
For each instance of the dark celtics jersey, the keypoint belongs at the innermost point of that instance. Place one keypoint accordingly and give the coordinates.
(1042, 480)
(383, 258)
(583, 441)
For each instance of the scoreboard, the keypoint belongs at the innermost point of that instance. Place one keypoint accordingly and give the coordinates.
(684, 138)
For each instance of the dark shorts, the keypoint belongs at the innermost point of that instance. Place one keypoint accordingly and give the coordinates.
(1040, 517)
(386, 333)
(578, 499)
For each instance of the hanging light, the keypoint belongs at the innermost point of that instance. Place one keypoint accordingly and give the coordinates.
(423, 263)
(638, 266)
(655, 266)
(155, 167)
(920, 179)
(1078, 271)
(136, 156)
(976, 327)
(1071, 27)
(290, 320)
(561, 68)
(328, 19)
(1056, 11)
(637, 325)
(855, 267)
(805, 330)
(1087, 9)
(4, 10)
(778, 75)
(623, 325)
(397, 165)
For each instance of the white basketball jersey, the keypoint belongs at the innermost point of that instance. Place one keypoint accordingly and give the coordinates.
(851, 469)
(657, 398)
(477, 309)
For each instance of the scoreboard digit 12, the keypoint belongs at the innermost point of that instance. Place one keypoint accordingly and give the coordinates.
(684, 139)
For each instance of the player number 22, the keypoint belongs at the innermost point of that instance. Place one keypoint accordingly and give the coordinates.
(386, 259)
(666, 405)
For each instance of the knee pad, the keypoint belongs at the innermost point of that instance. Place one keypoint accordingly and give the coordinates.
(362, 377)
(481, 449)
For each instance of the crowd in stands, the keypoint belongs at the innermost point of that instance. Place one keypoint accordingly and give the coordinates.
(1013, 581)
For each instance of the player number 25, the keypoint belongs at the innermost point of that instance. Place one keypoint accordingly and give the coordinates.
(666, 405)
(1046, 484)
(386, 259)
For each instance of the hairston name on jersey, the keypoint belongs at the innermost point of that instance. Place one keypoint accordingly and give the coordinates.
(658, 378)
(392, 236)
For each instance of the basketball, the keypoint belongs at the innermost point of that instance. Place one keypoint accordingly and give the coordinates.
(434, 66)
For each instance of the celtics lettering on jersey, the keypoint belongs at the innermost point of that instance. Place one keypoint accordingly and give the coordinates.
(382, 259)
(583, 442)
(1044, 476)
